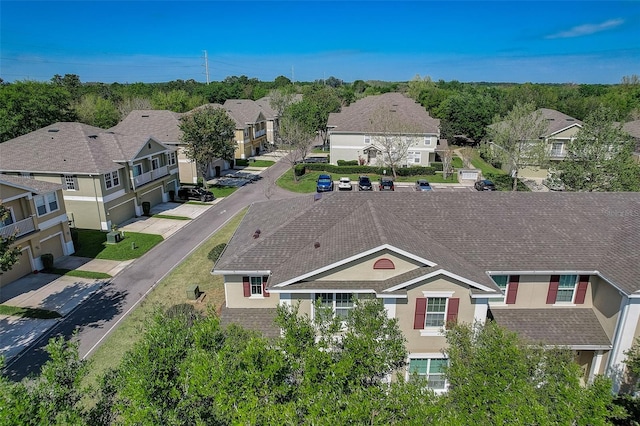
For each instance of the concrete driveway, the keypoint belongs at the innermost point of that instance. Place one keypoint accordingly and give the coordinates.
(63, 294)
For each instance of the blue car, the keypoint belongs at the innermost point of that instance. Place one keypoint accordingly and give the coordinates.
(324, 183)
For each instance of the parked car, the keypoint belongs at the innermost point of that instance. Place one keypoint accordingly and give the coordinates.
(423, 185)
(386, 184)
(324, 183)
(485, 185)
(194, 193)
(364, 183)
(344, 184)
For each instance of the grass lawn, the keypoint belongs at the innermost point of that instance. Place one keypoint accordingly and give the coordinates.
(79, 273)
(485, 167)
(170, 291)
(93, 244)
(457, 163)
(261, 163)
(222, 191)
(168, 216)
(17, 311)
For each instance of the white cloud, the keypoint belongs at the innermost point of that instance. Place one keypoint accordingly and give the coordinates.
(587, 29)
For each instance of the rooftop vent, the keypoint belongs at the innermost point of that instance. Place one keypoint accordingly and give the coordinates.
(93, 136)
(53, 130)
(316, 244)
(256, 234)
(145, 116)
(570, 119)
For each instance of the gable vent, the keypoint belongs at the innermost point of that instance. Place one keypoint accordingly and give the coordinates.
(384, 264)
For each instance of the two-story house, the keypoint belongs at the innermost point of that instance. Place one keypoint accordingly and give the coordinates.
(251, 127)
(355, 131)
(37, 218)
(633, 129)
(106, 176)
(563, 273)
(164, 126)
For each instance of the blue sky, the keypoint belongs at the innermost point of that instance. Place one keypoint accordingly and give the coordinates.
(157, 41)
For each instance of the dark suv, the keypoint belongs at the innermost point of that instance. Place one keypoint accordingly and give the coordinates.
(386, 184)
(364, 184)
(194, 193)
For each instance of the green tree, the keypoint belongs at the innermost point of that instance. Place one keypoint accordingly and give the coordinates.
(208, 133)
(176, 100)
(97, 111)
(26, 106)
(314, 109)
(294, 138)
(466, 113)
(9, 254)
(516, 140)
(496, 378)
(600, 157)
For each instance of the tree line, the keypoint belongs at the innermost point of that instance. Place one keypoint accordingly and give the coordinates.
(188, 369)
(465, 109)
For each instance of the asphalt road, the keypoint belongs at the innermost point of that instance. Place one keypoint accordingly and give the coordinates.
(94, 319)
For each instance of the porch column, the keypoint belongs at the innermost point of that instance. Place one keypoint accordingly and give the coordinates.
(596, 362)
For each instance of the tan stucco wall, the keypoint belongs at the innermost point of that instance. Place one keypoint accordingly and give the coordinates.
(20, 206)
(405, 311)
(532, 293)
(362, 269)
(606, 303)
(235, 295)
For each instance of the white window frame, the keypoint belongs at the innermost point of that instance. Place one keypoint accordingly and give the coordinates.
(46, 200)
(10, 219)
(341, 307)
(427, 140)
(556, 152)
(504, 287)
(172, 158)
(567, 287)
(367, 139)
(412, 156)
(155, 163)
(436, 330)
(255, 287)
(111, 180)
(70, 182)
(429, 358)
(138, 168)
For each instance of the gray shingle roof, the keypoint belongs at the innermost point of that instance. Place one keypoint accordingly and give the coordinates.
(243, 111)
(556, 121)
(358, 117)
(463, 233)
(162, 125)
(557, 326)
(33, 185)
(257, 319)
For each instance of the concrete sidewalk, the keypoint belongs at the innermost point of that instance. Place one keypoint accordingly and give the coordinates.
(63, 294)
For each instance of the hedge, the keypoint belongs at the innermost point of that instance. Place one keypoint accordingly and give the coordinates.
(330, 168)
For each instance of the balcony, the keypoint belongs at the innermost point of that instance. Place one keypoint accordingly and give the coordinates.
(19, 228)
(261, 133)
(150, 176)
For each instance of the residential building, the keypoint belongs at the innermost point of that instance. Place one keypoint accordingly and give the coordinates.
(560, 130)
(37, 219)
(164, 126)
(633, 129)
(251, 127)
(355, 131)
(564, 273)
(272, 117)
(106, 176)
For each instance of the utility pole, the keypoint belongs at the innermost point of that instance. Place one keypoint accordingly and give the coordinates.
(293, 80)
(206, 66)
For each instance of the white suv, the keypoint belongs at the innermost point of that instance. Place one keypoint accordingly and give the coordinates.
(344, 184)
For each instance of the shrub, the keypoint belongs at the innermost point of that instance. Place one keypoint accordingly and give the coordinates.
(348, 163)
(505, 182)
(242, 162)
(75, 237)
(215, 252)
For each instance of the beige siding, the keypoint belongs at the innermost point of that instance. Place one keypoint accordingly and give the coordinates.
(606, 303)
(20, 269)
(405, 311)
(120, 213)
(235, 295)
(150, 149)
(152, 195)
(53, 245)
(362, 269)
(571, 132)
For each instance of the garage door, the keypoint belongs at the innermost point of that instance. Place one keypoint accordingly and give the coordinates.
(469, 175)
(154, 196)
(122, 213)
(53, 246)
(19, 270)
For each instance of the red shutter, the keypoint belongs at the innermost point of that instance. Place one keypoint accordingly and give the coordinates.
(265, 293)
(512, 290)
(421, 312)
(452, 310)
(553, 289)
(246, 287)
(581, 292)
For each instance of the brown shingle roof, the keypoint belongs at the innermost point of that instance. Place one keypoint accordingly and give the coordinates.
(358, 117)
(556, 327)
(33, 185)
(162, 125)
(463, 233)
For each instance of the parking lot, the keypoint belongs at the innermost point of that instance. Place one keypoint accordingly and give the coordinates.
(409, 187)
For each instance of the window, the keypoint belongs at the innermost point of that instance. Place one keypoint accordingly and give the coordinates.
(556, 148)
(172, 158)
(509, 286)
(111, 179)
(155, 163)
(427, 140)
(137, 169)
(367, 139)
(255, 286)
(9, 219)
(436, 308)
(431, 369)
(70, 183)
(413, 157)
(46, 203)
(435, 311)
(340, 303)
(566, 287)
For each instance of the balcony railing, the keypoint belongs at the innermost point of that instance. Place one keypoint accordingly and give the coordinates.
(149, 176)
(260, 133)
(18, 228)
